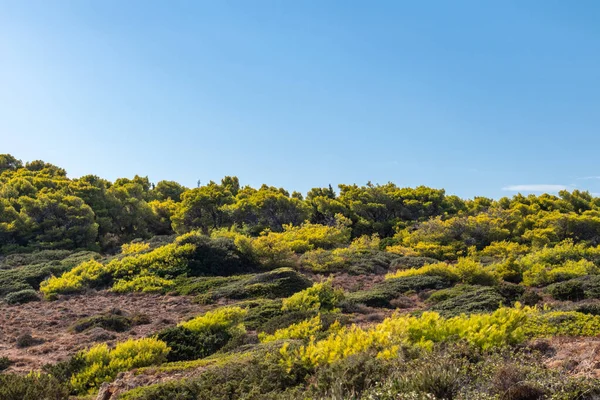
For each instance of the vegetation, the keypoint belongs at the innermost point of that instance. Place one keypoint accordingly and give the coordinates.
(293, 295)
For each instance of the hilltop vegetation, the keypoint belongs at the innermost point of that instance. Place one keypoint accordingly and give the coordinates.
(231, 292)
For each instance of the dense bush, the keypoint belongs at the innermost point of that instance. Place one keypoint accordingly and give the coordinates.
(186, 344)
(587, 287)
(381, 294)
(261, 312)
(27, 277)
(22, 296)
(321, 296)
(227, 319)
(32, 387)
(470, 300)
(257, 378)
(299, 330)
(485, 331)
(5, 362)
(465, 270)
(283, 320)
(114, 320)
(102, 364)
(153, 271)
(282, 282)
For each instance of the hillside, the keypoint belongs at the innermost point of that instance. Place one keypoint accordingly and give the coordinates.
(137, 291)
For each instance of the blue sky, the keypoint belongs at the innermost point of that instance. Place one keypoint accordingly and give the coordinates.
(477, 97)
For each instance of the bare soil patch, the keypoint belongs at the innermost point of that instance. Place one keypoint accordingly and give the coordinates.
(49, 323)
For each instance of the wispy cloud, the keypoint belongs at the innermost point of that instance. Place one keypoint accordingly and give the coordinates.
(587, 178)
(535, 188)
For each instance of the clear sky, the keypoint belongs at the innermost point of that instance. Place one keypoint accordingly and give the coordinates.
(477, 97)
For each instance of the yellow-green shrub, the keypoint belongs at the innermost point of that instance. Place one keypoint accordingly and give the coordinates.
(562, 323)
(443, 270)
(320, 296)
(166, 261)
(143, 283)
(504, 249)
(222, 319)
(301, 330)
(320, 260)
(542, 275)
(103, 364)
(503, 327)
(74, 280)
(132, 248)
(466, 270)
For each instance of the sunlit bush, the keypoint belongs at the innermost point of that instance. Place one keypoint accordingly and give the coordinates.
(222, 319)
(465, 270)
(300, 330)
(103, 364)
(321, 296)
(143, 283)
(74, 280)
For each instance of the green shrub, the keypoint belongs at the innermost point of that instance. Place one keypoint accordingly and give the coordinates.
(542, 275)
(219, 256)
(592, 308)
(510, 291)
(26, 340)
(570, 290)
(258, 378)
(27, 277)
(32, 387)
(284, 320)
(186, 344)
(282, 282)
(38, 257)
(113, 320)
(299, 330)
(530, 298)
(381, 294)
(474, 299)
(22, 296)
(5, 362)
(261, 312)
(64, 370)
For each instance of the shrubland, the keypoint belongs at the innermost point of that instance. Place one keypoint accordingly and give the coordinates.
(367, 292)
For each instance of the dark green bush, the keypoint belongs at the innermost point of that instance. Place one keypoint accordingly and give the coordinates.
(5, 362)
(510, 291)
(188, 345)
(26, 340)
(38, 257)
(285, 320)
(260, 378)
(375, 261)
(473, 300)
(530, 298)
(63, 370)
(218, 256)
(260, 312)
(570, 290)
(22, 297)
(382, 293)
(282, 282)
(32, 387)
(592, 308)
(111, 321)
